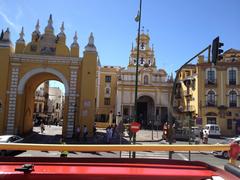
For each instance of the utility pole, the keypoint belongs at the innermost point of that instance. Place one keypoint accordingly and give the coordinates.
(137, 19)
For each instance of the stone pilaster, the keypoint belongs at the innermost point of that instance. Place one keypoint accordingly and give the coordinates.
(12, 99)
(72, 101)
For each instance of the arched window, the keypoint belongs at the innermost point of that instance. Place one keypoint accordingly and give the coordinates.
(211, 98)
(211, 76)
(145, 79)
(232, 99)
(232, 74)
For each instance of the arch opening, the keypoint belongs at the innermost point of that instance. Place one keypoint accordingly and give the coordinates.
(146, 111)
(43, 105)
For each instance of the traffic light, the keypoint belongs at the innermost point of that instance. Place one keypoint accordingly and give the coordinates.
(216, 50)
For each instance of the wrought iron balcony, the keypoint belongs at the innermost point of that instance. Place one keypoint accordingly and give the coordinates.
(210, 81)
(232, 82)
(233, 104)
(211, 103)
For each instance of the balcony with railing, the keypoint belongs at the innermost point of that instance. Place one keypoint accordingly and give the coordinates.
(211, 103)
(232, 82)
(210, 82)
(233, 104)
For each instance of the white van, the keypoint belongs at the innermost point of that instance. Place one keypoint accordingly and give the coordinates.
(213, 130)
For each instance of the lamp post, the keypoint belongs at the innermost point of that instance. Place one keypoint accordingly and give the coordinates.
(138, 19)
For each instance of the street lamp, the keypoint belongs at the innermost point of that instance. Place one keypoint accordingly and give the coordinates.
(137, 19)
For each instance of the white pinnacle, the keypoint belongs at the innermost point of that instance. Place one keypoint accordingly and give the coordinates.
(75, 38)
(62, 28)
(37, 27)
(21, 34)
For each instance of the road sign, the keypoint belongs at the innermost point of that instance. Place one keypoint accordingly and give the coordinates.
(135, 127)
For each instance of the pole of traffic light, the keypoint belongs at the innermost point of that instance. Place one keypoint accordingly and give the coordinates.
(170, 111)
(136, 80)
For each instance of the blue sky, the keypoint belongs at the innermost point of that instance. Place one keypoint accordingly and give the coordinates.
(179, 29)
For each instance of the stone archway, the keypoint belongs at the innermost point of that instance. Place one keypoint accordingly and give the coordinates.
(146, 111)
(26, 94)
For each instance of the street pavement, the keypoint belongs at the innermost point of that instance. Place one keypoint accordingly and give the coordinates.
(53, 134)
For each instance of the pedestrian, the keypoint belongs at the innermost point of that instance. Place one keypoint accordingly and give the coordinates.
(78, 133)
(85, 133)
(201, 135)
(42, 127)
(205, 136)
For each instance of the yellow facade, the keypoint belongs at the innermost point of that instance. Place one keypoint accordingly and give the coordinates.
(46, 57)
(186, 97)
(219, 92)
(215, 97)
(154, 89)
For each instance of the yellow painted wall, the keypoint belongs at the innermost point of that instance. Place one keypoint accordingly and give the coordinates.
(5, 52)
(88, 90)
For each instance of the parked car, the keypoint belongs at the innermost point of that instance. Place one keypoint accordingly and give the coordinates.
(9, 139)
(213, 130)
(225, 154)
(183, 135)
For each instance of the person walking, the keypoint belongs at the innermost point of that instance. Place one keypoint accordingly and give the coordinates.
(42, 127)
(205, 136)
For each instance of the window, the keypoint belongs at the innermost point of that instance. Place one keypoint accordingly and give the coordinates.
(211, 76)
(229, 124)
(106, 101)
(232, 99)
(232, 76)
(108, 91)
(107, 78)
(211, 101)
(211, 120)
(145, 79)
(125, 111)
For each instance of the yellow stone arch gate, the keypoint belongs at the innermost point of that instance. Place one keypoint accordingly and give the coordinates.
(46, 57)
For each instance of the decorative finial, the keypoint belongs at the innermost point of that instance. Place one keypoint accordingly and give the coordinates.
(6, 35)
(37, 27)
(75, 38)
(50, 23)
(91, 39)
(132, 46)
(21, 34)
(75, 43)
(62, 28)
(90, 46)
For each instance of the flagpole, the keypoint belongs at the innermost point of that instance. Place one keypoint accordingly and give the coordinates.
(136, 79)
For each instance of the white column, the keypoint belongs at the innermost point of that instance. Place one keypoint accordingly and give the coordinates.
(72, 101)
(118, 102)
(12, 99)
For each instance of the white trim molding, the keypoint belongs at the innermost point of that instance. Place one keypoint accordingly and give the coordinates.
(35, 71)
(211, 69)
(235, 69)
